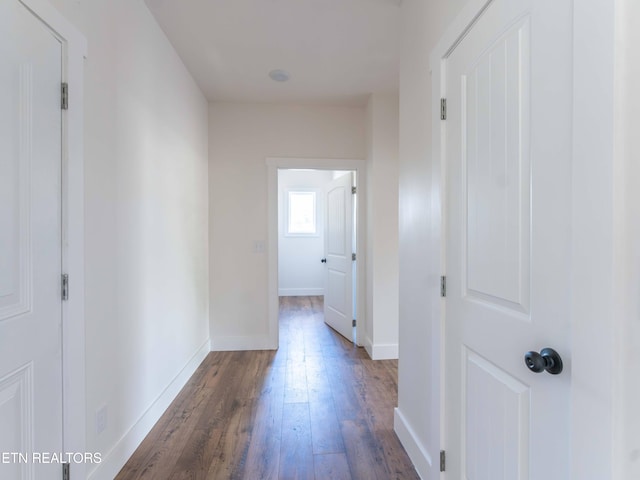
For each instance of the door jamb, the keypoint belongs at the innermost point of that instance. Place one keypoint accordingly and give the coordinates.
(275, 163)
(74, 50)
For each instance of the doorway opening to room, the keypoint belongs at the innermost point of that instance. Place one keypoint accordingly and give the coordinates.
(317, 246)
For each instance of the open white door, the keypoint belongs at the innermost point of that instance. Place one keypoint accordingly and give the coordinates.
(30, 244)
(338, 298)
(508, 203)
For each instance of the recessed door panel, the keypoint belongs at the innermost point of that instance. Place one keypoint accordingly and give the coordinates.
(496, 435)
(336, 299)
(495, 106)
(15, 186)
(16, 405)
(336, 221)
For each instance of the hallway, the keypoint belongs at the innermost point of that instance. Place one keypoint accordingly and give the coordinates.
(316, 408)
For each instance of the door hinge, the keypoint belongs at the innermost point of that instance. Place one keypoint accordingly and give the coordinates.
(65, 96)
(353, 257)
(354, 190)
(443, 461)
(443, 286)
(353, 324)
(66, 471)
(443, 109)
(65, 286)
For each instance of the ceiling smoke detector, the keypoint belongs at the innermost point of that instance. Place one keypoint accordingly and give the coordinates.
(279, 75)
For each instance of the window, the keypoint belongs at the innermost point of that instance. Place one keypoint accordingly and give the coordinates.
(301, 213)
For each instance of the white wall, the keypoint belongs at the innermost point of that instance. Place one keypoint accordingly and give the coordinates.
(300, 271)
(417, 418)
(241, 137)
(382, 227)
(627, 247)
(145, 226)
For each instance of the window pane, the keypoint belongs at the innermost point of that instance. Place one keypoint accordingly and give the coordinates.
(302, 212)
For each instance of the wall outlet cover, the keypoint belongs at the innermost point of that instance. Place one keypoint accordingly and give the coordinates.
(101, 419)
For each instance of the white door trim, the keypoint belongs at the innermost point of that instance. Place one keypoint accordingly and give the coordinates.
(275, 163)
(594, 326)
(74, 48)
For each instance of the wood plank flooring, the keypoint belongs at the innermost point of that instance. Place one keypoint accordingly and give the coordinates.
(318, 408)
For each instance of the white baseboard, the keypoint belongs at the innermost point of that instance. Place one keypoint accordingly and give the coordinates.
(249, 342)
(381, 351)
(113, 461)
(418, 454)
(385, 351)
(368, 346)
(300, 292)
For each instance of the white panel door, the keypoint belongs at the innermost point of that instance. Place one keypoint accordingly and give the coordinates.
(338, 298)
(508, 154)
(30, 244)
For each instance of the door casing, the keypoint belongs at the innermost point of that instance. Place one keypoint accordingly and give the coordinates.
(275, 163)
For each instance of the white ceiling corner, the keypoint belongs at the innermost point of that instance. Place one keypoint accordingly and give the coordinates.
(336, 51)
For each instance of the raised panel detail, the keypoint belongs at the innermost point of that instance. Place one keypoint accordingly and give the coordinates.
(497, 173)
(496, 427)
(16, 124)
(336, 235)
(16, 405)
(337, 288)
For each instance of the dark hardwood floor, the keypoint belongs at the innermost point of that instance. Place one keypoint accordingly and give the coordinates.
(318, 408)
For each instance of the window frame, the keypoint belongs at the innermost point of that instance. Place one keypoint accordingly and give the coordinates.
(316, 217)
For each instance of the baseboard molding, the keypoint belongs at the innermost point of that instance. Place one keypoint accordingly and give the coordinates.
(249, 342)
(418, 454)
(113, 461)
(368, 346)
(300, 292)
(381, 351)
(385, 351)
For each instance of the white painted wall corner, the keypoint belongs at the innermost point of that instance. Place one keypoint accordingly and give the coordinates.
(244, 342)
(417, 452)
(384, 351)
(116, 458)
(381, 351)
(300, 292)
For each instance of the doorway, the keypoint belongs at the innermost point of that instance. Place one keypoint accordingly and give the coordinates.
(325, 169)
(317, 242)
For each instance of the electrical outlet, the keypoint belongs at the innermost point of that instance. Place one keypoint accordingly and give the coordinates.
(101, 419)
(258, 246)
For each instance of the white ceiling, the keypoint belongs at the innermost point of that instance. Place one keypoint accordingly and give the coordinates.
(336, 51)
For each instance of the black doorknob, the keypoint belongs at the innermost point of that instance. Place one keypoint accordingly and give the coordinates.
(324, 260)
(548, 359)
